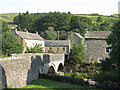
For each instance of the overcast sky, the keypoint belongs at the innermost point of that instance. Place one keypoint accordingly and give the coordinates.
(104, 7)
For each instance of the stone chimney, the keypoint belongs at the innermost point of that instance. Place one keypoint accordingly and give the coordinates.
(14, 30)
(36, 32)
(26, 31)
(86, 30)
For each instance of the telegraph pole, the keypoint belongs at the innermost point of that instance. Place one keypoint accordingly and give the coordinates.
(58, 42)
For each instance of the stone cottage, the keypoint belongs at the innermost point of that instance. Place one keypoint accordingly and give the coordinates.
(30, 39)
(96, 48)
(51, 46)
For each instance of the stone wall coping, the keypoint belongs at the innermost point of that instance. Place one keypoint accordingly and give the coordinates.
(36, 54)
(11, 58)
(18, 56)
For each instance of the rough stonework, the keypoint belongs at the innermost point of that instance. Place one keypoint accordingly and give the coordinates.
(51, 45)
(95, 49)
(3, 83)
(0, 77)
(76, 39)
(95, 45)
(22, 69)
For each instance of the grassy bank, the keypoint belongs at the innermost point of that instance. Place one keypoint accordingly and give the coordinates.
(45, 83)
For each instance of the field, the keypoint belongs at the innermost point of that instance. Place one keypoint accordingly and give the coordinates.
(45, 83)
(94, 18)
(8, 17)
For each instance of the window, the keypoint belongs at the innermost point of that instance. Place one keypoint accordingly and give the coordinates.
(100, 59)
(107, 50)
(50, 48)
(63, 48)
(91, 59)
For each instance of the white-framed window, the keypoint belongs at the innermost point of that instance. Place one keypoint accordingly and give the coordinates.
(91, 59)
(100, 59)
(107, 50)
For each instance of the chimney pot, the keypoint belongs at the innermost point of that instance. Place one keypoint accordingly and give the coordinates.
(26, 31)
(16, 30)
(36, 32)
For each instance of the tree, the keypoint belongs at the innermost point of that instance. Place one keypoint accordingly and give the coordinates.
(99, 19)
(11, 43)
(79, 24)
(4, 27)
(60, 21)
(77, 54)
(114, 40)
(49, 34)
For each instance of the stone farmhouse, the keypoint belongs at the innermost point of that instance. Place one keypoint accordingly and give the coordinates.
(30, 39)
(96, 48)
(51, 46)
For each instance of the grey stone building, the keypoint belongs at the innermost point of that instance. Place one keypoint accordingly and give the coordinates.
(77, 37)
(96, 48)
(51, 46)
(30, 39)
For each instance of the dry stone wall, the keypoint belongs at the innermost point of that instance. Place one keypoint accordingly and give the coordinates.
(21, 69)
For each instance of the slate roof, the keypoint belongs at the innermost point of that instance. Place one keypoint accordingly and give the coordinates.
(79, 35)
(31, 36)
(97, 34)
(53, 43)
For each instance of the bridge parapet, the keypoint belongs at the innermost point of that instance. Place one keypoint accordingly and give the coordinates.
(22, 69)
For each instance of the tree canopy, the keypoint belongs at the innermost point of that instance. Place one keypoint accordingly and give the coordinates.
(113, 40)
(10, 43)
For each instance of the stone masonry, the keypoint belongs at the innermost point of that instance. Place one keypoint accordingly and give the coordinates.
(22, 69)
(95, 45)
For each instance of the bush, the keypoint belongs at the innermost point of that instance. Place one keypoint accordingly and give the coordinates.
(78, 75)
(35, 49)
(107, 76)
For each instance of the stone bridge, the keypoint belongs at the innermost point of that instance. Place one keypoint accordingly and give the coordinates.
(21, 69)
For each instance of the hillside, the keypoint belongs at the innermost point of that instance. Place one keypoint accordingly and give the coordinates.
(8, 17)
(94, 17)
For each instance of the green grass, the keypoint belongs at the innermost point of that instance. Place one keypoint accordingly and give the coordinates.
(94, 18)
(45, 83)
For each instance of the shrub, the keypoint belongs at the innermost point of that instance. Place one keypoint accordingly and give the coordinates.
(107, 76)
(36, 49)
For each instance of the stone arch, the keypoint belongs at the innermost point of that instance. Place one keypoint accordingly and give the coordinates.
(60, 67)
(51, 70)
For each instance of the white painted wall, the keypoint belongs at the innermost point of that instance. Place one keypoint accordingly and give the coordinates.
(32, 43)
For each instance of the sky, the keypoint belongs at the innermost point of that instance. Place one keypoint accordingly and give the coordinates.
(103, 7)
